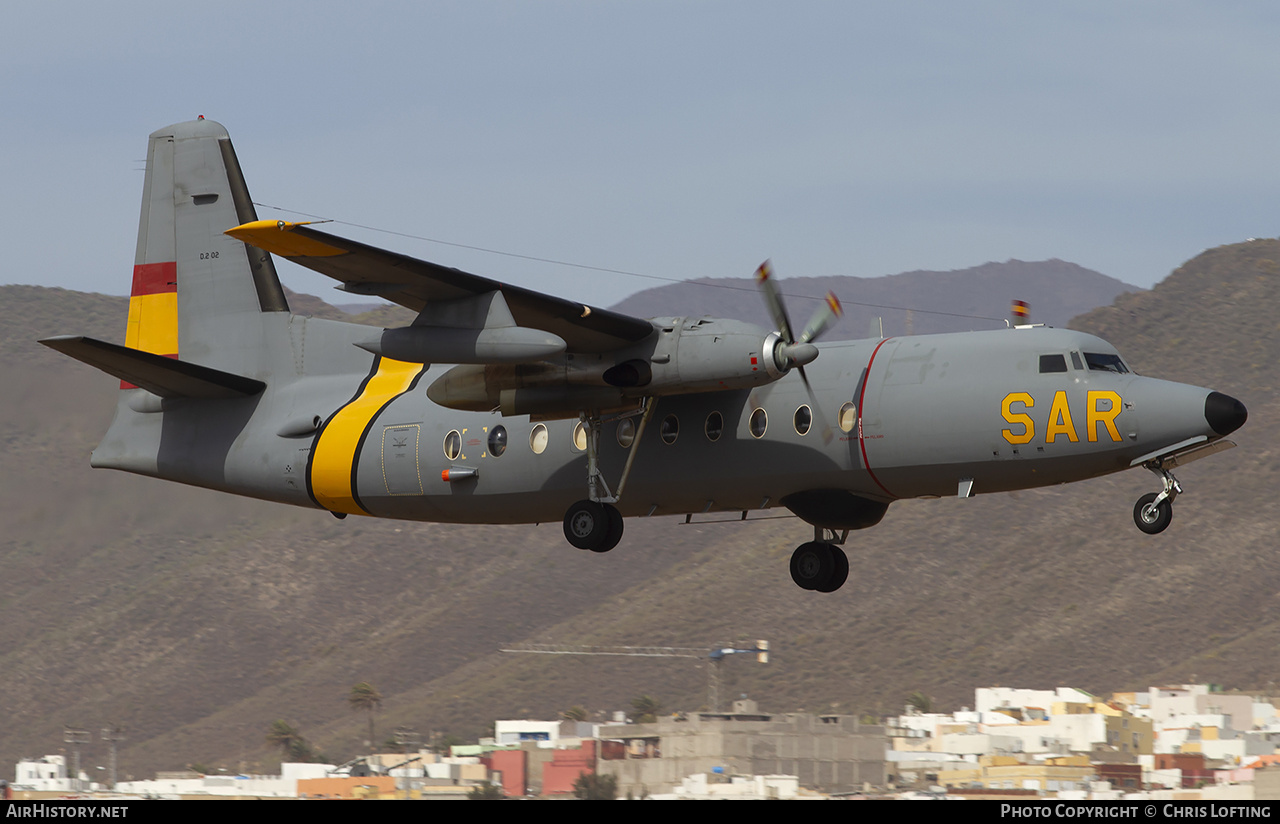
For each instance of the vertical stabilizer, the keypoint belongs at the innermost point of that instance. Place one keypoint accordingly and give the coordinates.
(197, 294)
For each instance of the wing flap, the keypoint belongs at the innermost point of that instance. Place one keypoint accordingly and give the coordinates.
(166, 377)
(414, 283)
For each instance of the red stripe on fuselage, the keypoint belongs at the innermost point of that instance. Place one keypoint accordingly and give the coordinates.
(154, 278)
(861, 395)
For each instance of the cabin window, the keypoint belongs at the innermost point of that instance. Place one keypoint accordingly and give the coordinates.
(670, 429)
(453, 445)
(848, 417)
(1105, 363)
(714, 427)
(497, 440)
(538, 439)
(626, 433)
(1052, 363)
(802, 420)
(759, 423)
(579, 437)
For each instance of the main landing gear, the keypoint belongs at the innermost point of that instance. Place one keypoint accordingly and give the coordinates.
(1154, 511)
(821, 565)
(595, 523)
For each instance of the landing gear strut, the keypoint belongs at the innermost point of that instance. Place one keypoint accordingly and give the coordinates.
(1154, 511)
(820, 565)
(595, 523)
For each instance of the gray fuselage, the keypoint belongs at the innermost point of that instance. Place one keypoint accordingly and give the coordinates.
(889, 419)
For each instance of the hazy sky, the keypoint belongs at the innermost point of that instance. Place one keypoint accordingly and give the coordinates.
(672, 139)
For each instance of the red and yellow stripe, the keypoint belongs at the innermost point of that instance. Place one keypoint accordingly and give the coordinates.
(153, 311)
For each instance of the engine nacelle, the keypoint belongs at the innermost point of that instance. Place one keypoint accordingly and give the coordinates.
(709, 355)
(683, 357)
(433, 344)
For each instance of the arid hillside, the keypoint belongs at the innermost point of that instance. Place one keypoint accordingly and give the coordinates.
(194, 619)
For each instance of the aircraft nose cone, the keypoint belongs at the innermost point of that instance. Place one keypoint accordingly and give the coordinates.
(1224, 413)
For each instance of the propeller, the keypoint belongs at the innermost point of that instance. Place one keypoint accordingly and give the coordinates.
(795, 351)
(798, 351)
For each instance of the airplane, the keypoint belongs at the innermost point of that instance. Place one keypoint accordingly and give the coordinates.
(499, 404)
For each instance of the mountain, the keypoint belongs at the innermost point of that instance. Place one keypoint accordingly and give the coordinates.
(194, 619)
(956, 301)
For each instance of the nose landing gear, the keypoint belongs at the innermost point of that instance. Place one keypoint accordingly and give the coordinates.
(1152, 517)
(1154, 511)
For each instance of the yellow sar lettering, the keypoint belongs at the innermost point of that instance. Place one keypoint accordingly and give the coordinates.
(1060, 422)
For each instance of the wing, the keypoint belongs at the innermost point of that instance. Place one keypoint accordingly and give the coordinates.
(413, 283)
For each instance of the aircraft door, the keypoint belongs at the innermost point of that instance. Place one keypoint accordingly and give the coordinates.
(400, 468)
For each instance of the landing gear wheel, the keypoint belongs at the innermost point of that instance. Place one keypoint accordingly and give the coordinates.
(813, 565)
(593, 526)
(1152, 518)
(586, 525)
(840, 573)
(614, 533)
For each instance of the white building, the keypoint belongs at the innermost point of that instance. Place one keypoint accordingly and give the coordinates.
(990, 699)
(284, 785)
(48, 774)
(546, 733)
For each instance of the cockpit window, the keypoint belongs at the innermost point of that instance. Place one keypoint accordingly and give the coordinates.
(1075, 361)
(1052, 363)
(1105, 363)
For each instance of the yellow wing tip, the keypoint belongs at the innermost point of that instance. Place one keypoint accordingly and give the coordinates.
(269, 235)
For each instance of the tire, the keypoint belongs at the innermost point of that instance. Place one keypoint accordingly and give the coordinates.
(586, 525)
(614, 533)
(813, 565)
(840, 573)
(1152, 520)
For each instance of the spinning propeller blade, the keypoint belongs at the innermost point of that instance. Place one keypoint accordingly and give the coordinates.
(773, 301)
(795, 351)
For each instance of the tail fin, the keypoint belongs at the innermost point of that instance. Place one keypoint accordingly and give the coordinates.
(194, 287)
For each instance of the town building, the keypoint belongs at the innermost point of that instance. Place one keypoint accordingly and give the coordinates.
(830, 753)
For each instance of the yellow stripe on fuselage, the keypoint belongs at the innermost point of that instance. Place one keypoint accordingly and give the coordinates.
(337, 448)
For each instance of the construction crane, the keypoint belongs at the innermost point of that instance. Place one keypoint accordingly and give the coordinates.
(716, 656)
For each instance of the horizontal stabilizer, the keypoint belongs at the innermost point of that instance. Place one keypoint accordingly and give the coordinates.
(166, 377)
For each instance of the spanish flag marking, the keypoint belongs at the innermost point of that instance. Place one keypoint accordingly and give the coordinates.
(153, 311)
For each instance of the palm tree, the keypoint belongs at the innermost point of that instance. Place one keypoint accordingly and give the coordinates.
(920, 702)
(364, 697)
(647, 709)
(283, 735)
(575, 713)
